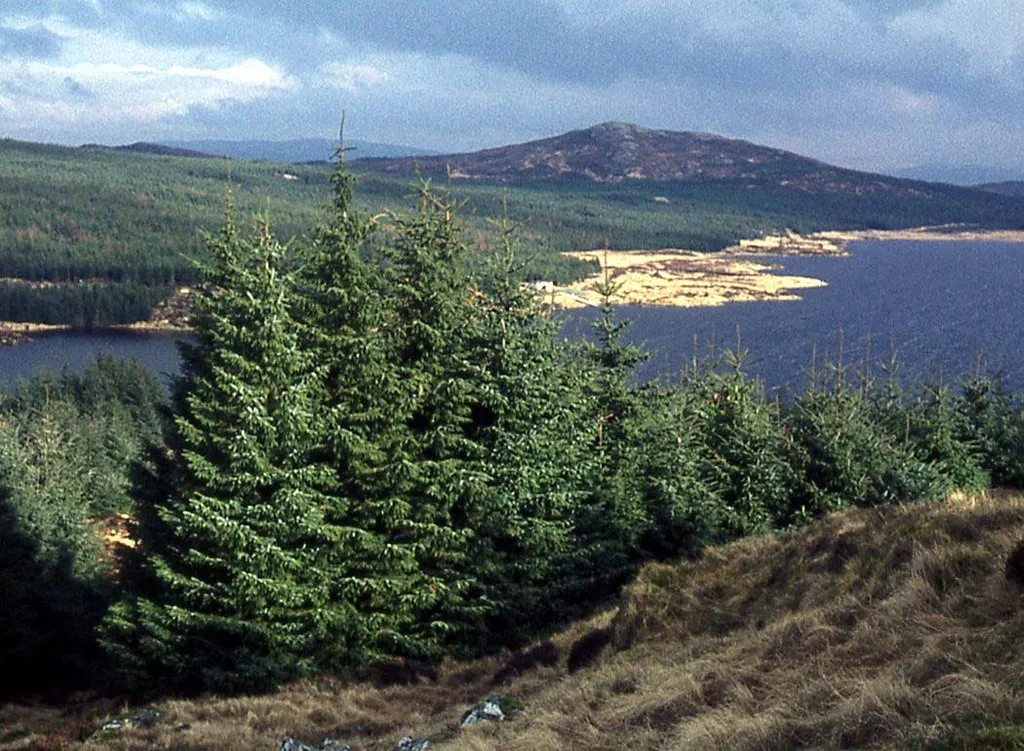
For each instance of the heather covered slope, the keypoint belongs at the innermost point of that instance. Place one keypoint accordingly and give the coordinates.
(891, 627)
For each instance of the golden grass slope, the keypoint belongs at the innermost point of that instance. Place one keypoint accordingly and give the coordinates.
(880, 628)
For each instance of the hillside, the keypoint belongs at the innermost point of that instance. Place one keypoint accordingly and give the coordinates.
(886, 628)
(144, 147)
(617, 152)
(613, 152)
(295, 150)
(124, 224)
(1013, 188)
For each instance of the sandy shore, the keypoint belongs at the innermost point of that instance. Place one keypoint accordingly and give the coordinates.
(924, 233)
(681, 278)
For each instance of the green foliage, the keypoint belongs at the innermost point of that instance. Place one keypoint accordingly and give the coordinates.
(847, 455)
(243, 596)
(528, 422)
(744, 454)
(377, 454)
(66, 447)
(81, 305)
(115, 230)
(994, 424)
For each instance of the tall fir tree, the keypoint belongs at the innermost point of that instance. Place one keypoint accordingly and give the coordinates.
(432, 459)
(528, 416)
(239, 598)
(347, 321)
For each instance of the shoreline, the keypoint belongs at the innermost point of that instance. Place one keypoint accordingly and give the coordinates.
(680, 278)
(686, 278)
(941, 233)
(662, 278)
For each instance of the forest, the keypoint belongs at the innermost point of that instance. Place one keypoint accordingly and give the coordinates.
(378, 450)
(122, 229)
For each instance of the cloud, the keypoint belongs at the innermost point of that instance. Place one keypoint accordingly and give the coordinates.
(352, 77)
(840, 79)
(34, 42)
(77, 91)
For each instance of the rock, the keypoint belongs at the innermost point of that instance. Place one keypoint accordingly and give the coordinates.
(490, 709)
(144, 718)
(328, 744)
(408, 744)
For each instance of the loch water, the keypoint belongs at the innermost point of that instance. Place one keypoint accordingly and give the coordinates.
(942, 305)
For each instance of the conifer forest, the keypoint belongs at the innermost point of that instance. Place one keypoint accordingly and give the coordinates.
(379, 450)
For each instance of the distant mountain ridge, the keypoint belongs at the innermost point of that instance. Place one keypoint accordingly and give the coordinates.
(967, 175)
(616, 152)
(145, 147)
(295, 150)
(1012, 188)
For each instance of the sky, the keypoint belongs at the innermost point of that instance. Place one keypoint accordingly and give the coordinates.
(869, 84)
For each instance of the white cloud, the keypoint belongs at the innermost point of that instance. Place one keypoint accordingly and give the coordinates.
(131, 86)
(352, 77)
(200, 11)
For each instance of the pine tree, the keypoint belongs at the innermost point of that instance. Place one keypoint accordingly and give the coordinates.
(613, 520)
(348, 324)
(432, 460)
(240, 600)
(528, 416)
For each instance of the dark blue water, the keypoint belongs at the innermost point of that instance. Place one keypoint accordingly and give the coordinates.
(63, 349)
(942, 304)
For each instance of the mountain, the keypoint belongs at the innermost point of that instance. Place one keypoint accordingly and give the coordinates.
(297, 150)
(1013, 188)
(144, 147)
(622, 152)
(964, 174)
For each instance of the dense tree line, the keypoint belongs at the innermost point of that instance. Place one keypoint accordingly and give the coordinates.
(373, 453)
(82, 306)
(67, 447)
(93, 215)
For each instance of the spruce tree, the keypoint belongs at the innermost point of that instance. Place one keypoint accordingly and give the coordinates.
(610, 524)
(348, 324)
(432, 459)
(239, 597)
(528, 416)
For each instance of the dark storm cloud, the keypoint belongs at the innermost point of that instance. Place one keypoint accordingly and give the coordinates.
(545, 40)
(35, 42)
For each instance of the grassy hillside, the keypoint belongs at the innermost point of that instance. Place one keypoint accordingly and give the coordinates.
(885, 628)
(90, 218)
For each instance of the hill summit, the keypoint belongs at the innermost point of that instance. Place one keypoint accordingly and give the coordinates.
(613, 152)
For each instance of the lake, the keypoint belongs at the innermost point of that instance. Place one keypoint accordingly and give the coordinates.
(943, 304)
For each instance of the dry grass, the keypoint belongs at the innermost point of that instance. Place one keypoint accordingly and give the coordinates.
(888, 628)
